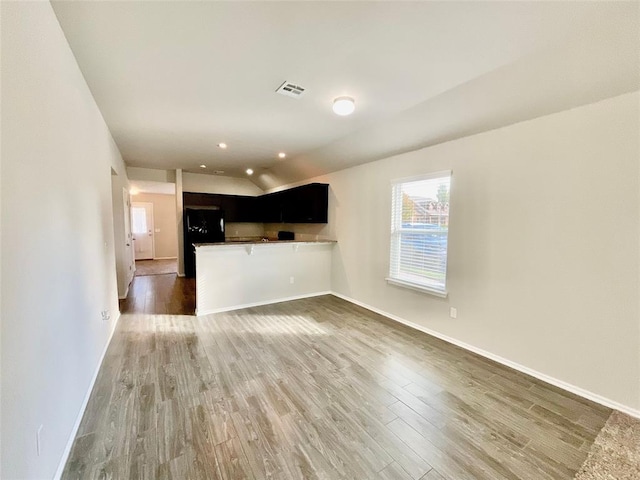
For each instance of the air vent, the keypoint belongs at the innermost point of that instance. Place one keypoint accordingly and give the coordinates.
(218, 172)
(290, 90)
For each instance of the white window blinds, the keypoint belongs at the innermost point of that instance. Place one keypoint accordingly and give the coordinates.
(419, 232)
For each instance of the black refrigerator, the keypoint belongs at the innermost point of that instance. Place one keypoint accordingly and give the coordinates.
(201, 225)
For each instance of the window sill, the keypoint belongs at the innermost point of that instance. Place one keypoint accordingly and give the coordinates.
(418, 287)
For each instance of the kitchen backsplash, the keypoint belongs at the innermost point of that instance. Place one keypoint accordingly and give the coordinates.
(244, 231)
(303, 231)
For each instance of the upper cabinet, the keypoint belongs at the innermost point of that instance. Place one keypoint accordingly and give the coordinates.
(304, 204)
(271, 207)
(236, 208)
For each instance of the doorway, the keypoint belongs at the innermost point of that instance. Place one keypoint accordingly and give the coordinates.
(142, 230)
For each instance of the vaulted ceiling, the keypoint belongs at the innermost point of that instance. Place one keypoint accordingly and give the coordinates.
(174, 79)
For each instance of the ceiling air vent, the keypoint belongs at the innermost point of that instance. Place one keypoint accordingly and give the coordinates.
(290, 90)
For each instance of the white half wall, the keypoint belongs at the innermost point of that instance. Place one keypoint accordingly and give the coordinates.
(240, 275)
(58, 262)
(544, 249)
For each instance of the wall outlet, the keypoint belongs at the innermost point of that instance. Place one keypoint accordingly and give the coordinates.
(292, 280)
(38, 440)
(453, 312)
(105, 315)
(157, 230)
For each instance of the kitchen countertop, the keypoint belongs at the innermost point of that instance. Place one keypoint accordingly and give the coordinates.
(260, 242)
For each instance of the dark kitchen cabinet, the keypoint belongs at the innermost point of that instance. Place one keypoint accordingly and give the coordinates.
(304, 204)
(247, 209)
(271, 206)
(236, 208)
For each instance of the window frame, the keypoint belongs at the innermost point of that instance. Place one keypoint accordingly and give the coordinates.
(396, 231)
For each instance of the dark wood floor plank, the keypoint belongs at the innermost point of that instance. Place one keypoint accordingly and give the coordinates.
(314, 389)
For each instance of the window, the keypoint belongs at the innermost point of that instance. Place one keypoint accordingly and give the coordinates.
(138, 220)
(419, 233)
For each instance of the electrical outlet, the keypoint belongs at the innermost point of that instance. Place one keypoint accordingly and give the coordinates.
(453, 312)
(38, 440)
(105, 315)
(292, 280)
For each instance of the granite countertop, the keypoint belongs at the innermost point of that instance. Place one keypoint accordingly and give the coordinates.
(259, 242)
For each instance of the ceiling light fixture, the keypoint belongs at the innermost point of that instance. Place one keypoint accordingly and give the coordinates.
(282, 155)
(249, 171)
(344, 106)
(203, 166)
(222, 145)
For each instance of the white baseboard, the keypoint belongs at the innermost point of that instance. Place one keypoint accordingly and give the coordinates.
(258, 304)
(165, 258)
(581, 392)
(76, 426)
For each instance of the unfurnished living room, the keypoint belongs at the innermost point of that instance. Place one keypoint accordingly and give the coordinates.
(320, 240)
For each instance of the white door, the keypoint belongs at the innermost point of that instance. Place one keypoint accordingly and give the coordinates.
(142, 229)
(128, 250)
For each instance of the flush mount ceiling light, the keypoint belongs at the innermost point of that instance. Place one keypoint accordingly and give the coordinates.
(203, 166)
(344, 106)
(249, 171)
(222, 145)
(282, 155)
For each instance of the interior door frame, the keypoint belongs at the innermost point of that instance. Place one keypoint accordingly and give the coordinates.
(153, 231)
(129, 248)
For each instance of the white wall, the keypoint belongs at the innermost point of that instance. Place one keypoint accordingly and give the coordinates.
(544, 244)
(179, 222)
(58, 263)
(196, 182)
(151, 175)
(124, 254)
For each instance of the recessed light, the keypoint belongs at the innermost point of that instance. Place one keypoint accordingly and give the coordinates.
(249, 171)
(282, 155)
(134, 191)
(203, 166)
(222, 145)
(344, 106)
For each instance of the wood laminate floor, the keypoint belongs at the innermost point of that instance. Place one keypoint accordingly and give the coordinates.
(318, 389)
(166, 294)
